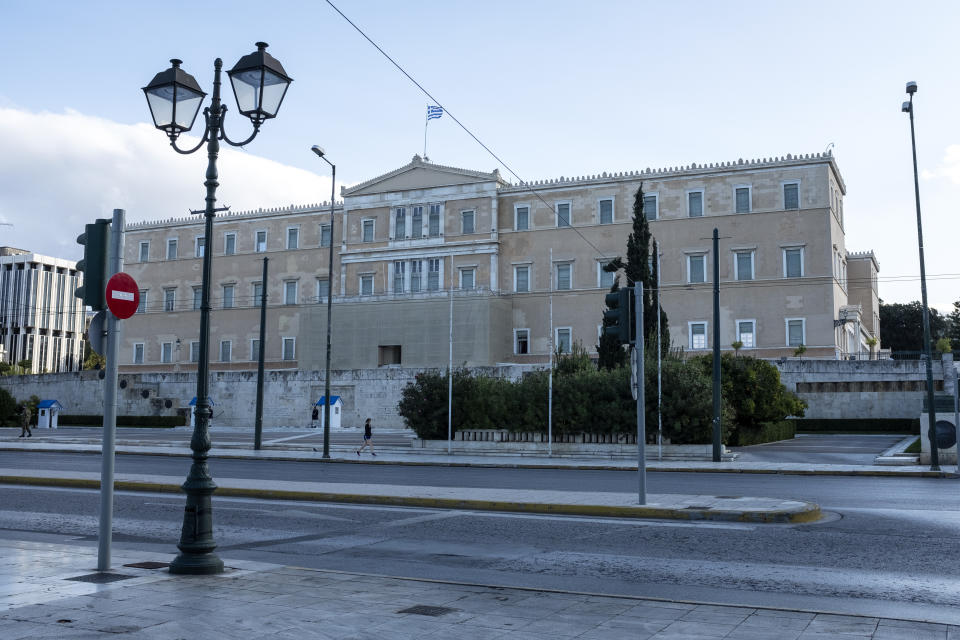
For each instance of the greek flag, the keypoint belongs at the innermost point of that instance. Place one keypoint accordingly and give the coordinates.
(434, 112)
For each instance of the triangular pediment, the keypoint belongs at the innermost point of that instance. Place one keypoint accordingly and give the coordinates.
(419, 174)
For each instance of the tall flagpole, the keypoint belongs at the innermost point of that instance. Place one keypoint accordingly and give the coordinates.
(426, 121)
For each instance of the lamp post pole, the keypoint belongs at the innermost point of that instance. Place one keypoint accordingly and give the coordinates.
(174, 97)
(931, 407)
(326, 385)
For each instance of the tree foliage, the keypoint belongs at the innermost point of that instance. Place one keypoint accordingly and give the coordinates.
(901, 326)
(8, 408)
(953, 326)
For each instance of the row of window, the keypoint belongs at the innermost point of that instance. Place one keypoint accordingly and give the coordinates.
(229, 245)
(796, 335)
(695, 203)
(744, 261)
(228, 296)
(169, 351)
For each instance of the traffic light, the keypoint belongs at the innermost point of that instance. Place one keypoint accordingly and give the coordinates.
(96, 242)
(618, 316)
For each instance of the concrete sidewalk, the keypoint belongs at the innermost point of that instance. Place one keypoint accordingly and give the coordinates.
(52, 591)
(341, 453)
(583, 503)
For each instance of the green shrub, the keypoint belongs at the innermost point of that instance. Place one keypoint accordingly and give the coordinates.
(859, 425)
(8, 408)
(768, 432)
(94, 420)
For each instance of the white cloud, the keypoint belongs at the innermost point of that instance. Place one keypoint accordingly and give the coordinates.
(61, 170)
(949, 167)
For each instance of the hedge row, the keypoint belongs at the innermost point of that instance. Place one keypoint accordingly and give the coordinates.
(122, 421)
(859, 425)
(768, 432)
(589, 401)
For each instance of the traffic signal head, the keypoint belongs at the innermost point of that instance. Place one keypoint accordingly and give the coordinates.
(96, 242)
(617, 318)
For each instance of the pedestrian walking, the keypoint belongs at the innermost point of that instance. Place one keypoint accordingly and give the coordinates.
(367, 438)
(25, 422)
(314, 416)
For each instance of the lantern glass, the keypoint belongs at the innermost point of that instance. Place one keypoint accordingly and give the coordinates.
(174, 106)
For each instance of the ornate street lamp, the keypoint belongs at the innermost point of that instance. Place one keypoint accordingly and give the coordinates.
(174, 97)
(326, 408)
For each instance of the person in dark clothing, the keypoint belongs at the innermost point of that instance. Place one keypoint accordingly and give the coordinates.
(25, 423)
(314, 416)
(367, 438)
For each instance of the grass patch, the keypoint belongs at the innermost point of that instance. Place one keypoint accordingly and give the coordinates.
(914, 447)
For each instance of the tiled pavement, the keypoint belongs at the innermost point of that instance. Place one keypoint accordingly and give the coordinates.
(255, 600)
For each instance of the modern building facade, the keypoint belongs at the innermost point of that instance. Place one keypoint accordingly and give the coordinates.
(40, 318)
(429, 255)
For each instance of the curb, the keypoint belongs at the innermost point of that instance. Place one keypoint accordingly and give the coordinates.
(522, 465)
(809, 512)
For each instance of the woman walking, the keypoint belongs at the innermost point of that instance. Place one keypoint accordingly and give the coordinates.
(367, 438)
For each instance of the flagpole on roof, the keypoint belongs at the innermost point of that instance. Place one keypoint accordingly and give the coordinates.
(426, 121)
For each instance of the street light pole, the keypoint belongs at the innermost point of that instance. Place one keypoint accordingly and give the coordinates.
(326, 388)
(931, 407)
(174, 97)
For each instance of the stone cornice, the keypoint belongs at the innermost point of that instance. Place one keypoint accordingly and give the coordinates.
(417, 162)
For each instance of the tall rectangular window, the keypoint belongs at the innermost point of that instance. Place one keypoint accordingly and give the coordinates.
(695, 204)
(434, 223)
(138, 353)
(696, 269)
(563, 214)
(366, 285)
(400, 224)
(260, 241)
(793, 262)
(325, 235)
(226, 350)
(368, 230)
(257, 294)
(467, 277)
(199, 245)
(791, 196)
(197, 298)
(796, 332)
(166, 352)
(744, 265)
(606, 211)
(290, 292)
(289, 348)
(521, 278)
(605, 278)
(468, 221)
(433, 275)
(398, 276)
(416, 223)
(521, 218)
(172, 249)
(651, 206)
(742, 195)
(563, 276)
(255, 349)
(194, 352)
(144, 251)
(293, 237)
(416, 276)
(228, 296)
(229, 244)
(563, 339)
(521, 342)
(323, 288)
(746, 333)
(698, 335)
(169, 299)
(142, 305)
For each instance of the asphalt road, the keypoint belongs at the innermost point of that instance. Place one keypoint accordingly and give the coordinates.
(895, 562)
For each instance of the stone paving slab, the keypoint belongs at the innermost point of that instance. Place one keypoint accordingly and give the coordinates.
(259, 600)
(589, 503)
(402, 455)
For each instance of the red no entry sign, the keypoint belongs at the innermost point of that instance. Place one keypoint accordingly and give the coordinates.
(123, 297)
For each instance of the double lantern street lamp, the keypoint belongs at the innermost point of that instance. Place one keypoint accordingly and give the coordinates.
(174, 97)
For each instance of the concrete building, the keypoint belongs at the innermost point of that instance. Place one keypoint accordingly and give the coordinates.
(40, 318)
(518, 266)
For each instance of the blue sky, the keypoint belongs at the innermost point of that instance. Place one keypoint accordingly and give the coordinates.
(554, 88)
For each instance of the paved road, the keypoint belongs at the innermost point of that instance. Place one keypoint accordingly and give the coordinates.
(821, 449)
(918, 494)
(864, 560)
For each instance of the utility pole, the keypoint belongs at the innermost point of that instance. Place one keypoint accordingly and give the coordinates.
(258, 421)
(716, 345)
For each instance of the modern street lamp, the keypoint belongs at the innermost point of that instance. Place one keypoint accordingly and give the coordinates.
(174, 97)
(931, 407)
(326, 408)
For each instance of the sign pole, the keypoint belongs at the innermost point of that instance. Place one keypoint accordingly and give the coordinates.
(110, 404)
(641, 400)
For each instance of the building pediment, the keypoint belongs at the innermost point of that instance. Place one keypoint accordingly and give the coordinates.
(419, 174)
